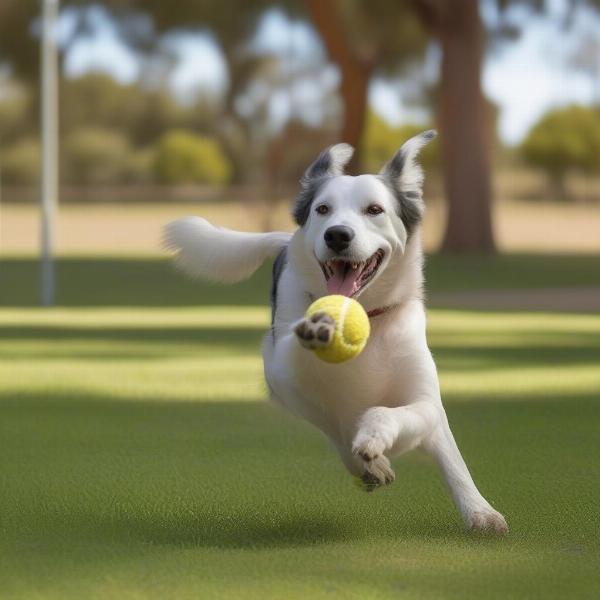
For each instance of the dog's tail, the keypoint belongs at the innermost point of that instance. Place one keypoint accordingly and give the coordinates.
(218, 254)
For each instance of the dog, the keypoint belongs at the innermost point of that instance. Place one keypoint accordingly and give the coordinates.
(358, 236)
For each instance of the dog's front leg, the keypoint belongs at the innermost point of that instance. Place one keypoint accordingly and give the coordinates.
(376, 473)
(382, 430)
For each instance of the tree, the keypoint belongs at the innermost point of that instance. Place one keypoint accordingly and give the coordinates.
(462, 115)
(95, 156)
(465, 142)
(16, 47)
(144, 23)
(360, 38)
(182, 157)
(21, 162)
(382, 140)
(16, 113)
(98, 100)
(456, 25)
(564, 139)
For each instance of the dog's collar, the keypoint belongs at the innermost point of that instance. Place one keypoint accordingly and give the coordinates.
(375, 312)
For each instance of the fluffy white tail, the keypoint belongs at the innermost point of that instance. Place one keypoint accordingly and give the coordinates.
(218, 254)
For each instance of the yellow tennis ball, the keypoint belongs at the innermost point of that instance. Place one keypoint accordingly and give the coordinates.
(352, 327)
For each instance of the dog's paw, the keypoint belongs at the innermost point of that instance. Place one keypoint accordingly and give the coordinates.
(487, 520)
(316, 331)
(378, 472)
(376, 435)
(377, 432)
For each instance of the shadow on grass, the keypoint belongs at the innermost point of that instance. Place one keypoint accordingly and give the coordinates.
(240, 474)
(154, 281)
(238, 338)
(575, 349)
(545, 349)
(125, 282)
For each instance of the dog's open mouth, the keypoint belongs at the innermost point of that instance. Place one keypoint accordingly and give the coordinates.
(348, 277)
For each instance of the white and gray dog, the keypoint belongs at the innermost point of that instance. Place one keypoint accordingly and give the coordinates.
(360, 237)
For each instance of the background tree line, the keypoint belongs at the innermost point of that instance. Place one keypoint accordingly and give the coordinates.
(131, 133)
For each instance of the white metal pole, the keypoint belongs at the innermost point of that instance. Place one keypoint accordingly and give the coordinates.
(49, 118)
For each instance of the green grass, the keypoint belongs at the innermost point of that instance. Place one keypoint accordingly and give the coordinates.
(139, 458)
(118, 281)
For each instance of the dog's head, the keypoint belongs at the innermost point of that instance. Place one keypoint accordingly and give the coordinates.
(354, 226)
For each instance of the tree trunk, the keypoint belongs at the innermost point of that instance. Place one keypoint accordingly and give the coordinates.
(355, 73)
(463, 124)
(559, 190)
(355, 93)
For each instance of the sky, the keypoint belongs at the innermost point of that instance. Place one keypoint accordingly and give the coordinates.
(525, 77)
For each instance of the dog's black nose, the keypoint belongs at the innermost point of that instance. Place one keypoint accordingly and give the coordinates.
(338, 237)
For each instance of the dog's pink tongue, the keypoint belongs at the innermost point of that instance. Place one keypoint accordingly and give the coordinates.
(343, 283)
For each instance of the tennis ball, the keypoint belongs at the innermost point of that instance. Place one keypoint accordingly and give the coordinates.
(352, 327)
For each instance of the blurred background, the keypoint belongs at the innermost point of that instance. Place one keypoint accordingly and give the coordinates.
(223, 105)
(138, 455)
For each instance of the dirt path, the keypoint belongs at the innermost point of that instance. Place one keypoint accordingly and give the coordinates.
(576, 299)
(111, 228)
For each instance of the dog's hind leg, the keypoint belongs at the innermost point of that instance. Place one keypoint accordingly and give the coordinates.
(476, 511)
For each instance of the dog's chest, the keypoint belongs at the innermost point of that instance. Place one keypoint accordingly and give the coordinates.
(341, 391)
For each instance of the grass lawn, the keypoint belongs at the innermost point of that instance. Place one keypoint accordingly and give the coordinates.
(139, 458)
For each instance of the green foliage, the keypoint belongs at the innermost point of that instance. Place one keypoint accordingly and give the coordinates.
(183, 157)
(114, 127)
(18, 115)
(20, 163)
(139, 165)
(98, 100)
(93, 156)
(563, 139)
(389, 31)
(382, 141)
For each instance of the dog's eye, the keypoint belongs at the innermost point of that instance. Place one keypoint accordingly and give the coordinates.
(374, 209)
(322, 209)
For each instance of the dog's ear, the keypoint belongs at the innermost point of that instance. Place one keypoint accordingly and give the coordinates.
(330, 163)
(404, 176)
